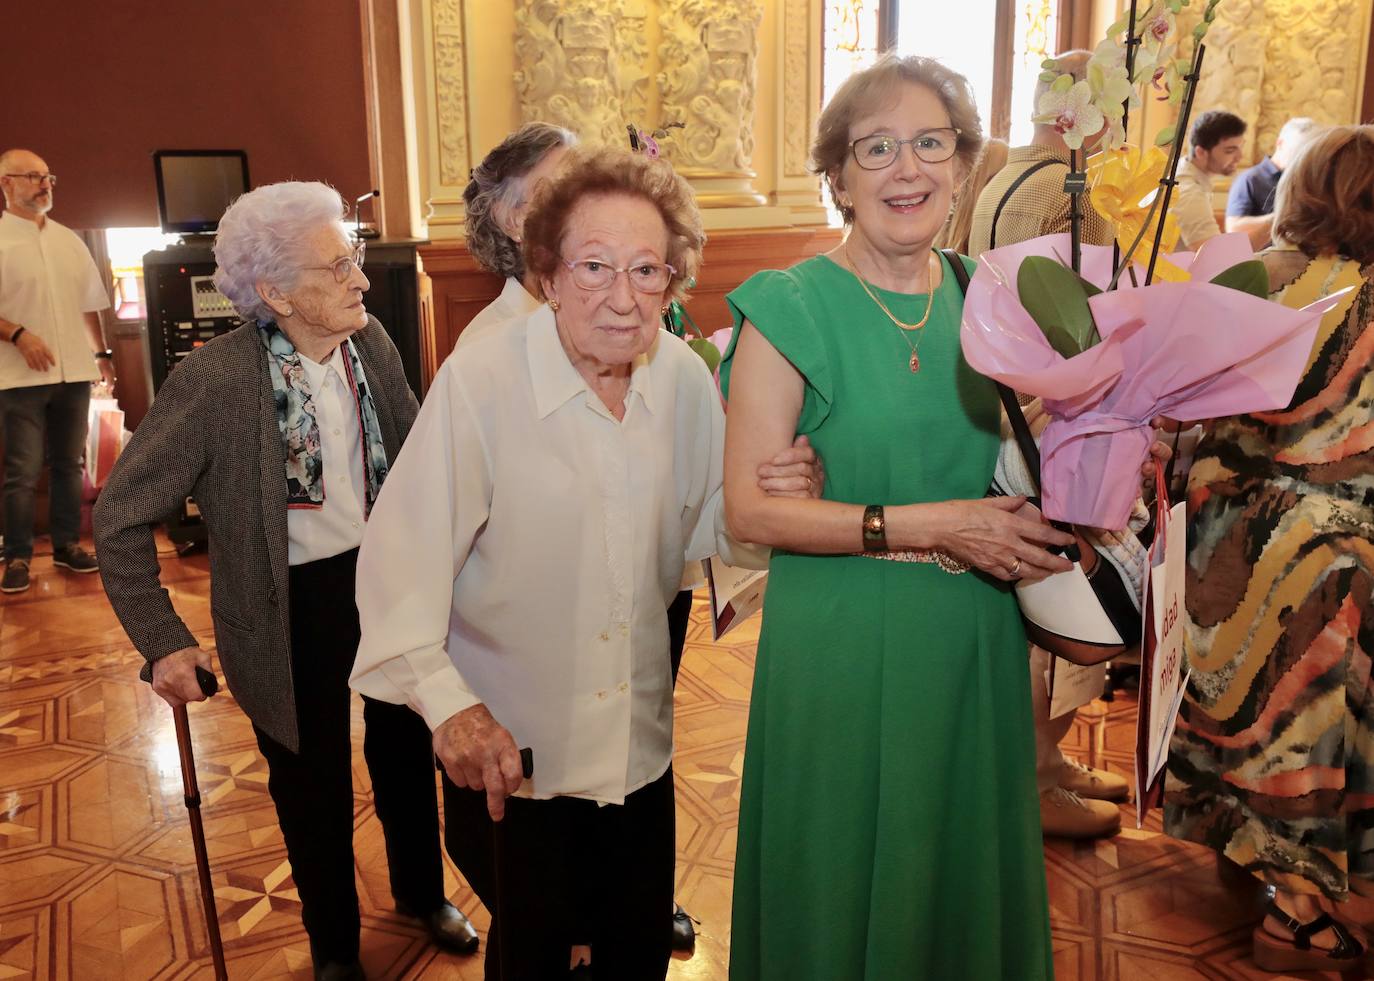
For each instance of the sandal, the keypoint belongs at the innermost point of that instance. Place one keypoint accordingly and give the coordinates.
(1277, 954)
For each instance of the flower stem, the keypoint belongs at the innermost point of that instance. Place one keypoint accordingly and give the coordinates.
(1168, 182)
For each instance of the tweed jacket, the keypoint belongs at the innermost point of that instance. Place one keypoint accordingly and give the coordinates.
(212, 433)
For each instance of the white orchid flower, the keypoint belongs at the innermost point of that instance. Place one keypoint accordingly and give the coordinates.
(1069, 109)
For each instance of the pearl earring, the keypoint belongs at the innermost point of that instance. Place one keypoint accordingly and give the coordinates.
(553, 305)
(289, 312)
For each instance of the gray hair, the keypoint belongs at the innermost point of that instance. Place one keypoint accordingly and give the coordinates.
(260, 239)
(498, 186)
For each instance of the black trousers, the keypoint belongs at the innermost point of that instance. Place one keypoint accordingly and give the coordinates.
(613, 864)
(679, 616)
(313, 789)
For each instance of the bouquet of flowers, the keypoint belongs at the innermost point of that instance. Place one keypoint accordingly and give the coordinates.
(1110, 342)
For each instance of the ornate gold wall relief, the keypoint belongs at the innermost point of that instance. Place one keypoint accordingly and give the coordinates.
(582, 64)
(709, 54)
(450, 91)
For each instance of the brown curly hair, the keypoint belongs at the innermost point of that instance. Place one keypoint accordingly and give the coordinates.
(612, 171)
(1325, 201)
(865, 91)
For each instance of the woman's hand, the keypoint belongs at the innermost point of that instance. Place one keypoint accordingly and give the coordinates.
(795, 472)
(174, 676)
(479, 753)
(1003, 536)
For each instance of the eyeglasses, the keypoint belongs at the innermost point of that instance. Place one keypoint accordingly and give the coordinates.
(647, 277)
(343, 266)
(34, 177)
(931, 146)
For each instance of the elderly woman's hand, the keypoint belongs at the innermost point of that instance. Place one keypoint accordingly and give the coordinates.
(795, 472)
(479, 753)
(174, 676)
(1003, 536)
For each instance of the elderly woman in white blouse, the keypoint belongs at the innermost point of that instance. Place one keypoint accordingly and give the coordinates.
(515, 576)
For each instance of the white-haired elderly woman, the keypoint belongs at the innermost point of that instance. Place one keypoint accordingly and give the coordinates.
(283, 431)
(515, 578)
(496, 200)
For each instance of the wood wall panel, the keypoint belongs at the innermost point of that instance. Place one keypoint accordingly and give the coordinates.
(461, 288)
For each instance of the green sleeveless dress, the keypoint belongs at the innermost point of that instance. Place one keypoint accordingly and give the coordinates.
(889, 824)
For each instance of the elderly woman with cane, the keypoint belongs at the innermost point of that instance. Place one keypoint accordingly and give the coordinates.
(516, 575)
(283, 430)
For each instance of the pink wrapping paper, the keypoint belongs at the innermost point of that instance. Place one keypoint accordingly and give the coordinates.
(1183, 350)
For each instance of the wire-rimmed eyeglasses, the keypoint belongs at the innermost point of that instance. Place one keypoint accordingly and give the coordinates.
(930, 145)
(596, 274)
(343, 266)
(34, 177)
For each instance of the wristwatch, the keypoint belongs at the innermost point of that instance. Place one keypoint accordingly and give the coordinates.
(104, 355)
(875, 529)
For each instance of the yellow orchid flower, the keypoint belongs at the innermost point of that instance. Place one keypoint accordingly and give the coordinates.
(1123, 183)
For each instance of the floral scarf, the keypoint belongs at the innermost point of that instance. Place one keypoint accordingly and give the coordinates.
(299, 432)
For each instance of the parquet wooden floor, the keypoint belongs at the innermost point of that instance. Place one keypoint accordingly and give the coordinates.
(97, 877)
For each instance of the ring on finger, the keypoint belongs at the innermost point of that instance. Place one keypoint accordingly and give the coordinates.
(1016, 569)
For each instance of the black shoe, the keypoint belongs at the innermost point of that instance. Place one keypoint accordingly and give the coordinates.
(74, 558)
(447, 926)
(337, 971)
(16, 576)
(684, 934)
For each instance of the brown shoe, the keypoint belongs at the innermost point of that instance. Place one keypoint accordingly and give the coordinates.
(1063, 814)
(1090, 782)
(16, 578)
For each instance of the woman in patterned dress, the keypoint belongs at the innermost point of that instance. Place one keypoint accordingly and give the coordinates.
(1273, 759)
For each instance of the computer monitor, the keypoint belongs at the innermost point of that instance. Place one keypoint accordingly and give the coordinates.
(195, 187)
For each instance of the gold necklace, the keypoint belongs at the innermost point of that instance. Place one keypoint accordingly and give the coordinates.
(914, 362)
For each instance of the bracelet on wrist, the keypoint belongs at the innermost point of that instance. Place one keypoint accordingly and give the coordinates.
(14, 338)
(875, 529)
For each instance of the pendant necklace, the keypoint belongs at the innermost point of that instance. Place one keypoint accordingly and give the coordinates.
(914, 362)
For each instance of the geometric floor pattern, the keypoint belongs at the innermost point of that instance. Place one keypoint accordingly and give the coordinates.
(97, 875)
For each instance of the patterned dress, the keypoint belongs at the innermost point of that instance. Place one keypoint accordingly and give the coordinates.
(1272, 763)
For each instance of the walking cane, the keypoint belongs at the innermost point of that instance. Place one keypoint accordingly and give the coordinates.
(498, 848)
(209, 686)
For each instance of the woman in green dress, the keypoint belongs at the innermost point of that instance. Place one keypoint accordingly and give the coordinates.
(889, 823)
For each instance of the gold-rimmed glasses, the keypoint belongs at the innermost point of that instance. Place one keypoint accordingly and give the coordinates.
(343, 266)
(932, 146)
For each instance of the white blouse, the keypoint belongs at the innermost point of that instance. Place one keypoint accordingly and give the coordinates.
(525, 548)
(514, 301)
(337, 525)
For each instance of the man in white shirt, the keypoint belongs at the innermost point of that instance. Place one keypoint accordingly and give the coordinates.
(1216, 141)
(51, 349)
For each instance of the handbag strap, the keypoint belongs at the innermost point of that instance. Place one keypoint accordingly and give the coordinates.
(1025, 441)
(1015, 185)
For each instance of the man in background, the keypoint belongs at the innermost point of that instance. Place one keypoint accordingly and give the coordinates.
(1215, 144)
(51, 349)
(1250, 205)
(1024, 200)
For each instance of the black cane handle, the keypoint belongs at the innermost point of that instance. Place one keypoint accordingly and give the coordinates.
(527, 762)
(209, 684)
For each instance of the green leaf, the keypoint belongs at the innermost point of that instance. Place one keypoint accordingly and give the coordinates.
(1057, 301)
(1249, 276)
(707, 351)
(1166, 135)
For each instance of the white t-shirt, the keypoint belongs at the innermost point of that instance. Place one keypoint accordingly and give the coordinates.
(337, 526)
(48, 280)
